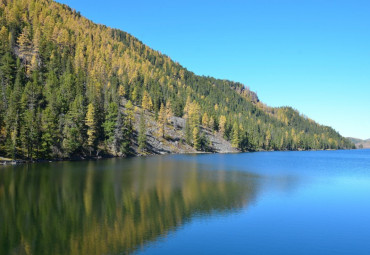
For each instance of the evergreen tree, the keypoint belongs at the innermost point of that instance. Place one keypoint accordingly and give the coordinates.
(127, 128)
(118, 135)
(110, 123)
(29, 133)
(188, 132)
(49, 136)
(74, 130)
(7, 65)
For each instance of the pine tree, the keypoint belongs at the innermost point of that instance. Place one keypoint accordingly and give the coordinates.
(32, 93)
(7, 65)
(29, 133)
(13, 116)
(14, 139)
(127, 130)
(49, 136)
(118, 135)
(6, 84)
(110, 123)
(127, 137)
(188, 132)
(74, 130)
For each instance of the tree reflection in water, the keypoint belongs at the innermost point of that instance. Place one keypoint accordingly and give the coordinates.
(110, 206)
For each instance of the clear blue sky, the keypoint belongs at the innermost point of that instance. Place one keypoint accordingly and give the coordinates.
(312, 55)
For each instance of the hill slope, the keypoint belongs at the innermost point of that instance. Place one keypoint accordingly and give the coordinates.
(359, 143)
(64, 78)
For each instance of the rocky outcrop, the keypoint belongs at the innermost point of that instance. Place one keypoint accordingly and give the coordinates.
(174, 140)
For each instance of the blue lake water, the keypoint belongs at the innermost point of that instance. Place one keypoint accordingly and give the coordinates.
(315, 202)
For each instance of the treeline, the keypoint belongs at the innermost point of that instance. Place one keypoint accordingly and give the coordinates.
(64, 78)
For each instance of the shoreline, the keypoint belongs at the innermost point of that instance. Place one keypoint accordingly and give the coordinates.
(8, 162)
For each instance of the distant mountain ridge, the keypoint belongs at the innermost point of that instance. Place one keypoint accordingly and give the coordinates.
(359, 143)
(73, 88)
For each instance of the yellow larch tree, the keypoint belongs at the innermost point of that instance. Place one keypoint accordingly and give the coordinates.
(169, 113)
(222, 124)
(205, 120)
(187, 107)
(90, 122)
(194, 114)
(147, 103)
(162, 119)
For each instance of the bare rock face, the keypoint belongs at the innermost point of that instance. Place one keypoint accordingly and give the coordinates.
(219, 144)
(174, 140)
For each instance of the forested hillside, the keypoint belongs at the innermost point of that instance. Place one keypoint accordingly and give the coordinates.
(71, 87)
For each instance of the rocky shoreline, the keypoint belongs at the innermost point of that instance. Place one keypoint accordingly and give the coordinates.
(173, 143)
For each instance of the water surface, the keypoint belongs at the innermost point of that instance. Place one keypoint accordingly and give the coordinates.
(251, 203)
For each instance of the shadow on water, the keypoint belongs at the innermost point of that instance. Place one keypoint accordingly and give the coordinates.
(110, 206)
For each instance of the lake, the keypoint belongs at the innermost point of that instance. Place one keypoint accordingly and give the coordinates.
(315, 202)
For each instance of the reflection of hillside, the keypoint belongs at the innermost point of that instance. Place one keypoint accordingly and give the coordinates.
(109, 206)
